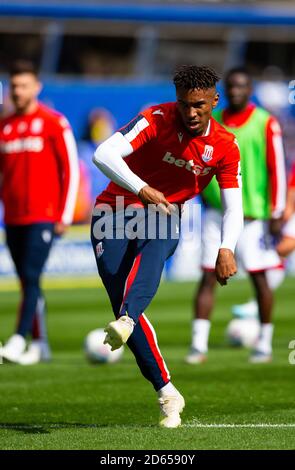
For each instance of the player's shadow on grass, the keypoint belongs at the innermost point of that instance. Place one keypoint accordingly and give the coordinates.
(50, 427)
(25, 428)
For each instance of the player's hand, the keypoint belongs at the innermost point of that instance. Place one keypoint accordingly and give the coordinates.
(275, 227)
(60, 229)
(225, 266)
(149, 195)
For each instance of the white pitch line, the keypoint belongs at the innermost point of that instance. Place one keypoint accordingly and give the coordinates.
(245, 425)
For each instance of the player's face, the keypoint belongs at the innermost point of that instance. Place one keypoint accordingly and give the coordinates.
(195, 107)
(238, 91)
(24, 89)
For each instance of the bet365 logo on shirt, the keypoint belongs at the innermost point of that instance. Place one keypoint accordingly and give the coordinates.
(189, 165)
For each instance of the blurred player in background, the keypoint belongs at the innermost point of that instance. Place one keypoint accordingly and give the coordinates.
(264, 195)
(287, 244)
(165, 156)
(39, 173)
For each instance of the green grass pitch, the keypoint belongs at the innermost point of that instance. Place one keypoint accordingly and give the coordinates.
(69, 404)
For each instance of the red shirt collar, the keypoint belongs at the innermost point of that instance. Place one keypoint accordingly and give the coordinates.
(238, 118)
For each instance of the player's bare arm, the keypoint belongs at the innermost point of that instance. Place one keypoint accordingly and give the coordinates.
(277, 176)
(290, 204)
(275, 226)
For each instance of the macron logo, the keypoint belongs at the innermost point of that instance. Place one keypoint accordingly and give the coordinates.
(187, 164)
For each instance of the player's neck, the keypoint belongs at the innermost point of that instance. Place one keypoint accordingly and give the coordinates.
(205, 131)
(30, 109)
(237, 110)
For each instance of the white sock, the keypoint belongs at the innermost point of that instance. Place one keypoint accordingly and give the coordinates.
(168, 389)
(251, 303)
(265, 338)
(201, 329)
(275, 277)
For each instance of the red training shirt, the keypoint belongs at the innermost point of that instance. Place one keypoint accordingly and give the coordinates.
(39, 168)
(171, 160)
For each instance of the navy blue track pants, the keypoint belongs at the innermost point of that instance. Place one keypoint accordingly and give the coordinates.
(29, 246)
(131, 272)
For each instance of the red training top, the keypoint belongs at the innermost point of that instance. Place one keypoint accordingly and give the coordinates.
(173, 161)
(38, 168)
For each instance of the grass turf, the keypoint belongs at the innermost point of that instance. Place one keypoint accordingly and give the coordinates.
(69, 404)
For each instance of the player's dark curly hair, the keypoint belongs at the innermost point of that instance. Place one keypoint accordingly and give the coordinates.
(189, 77)
(237, 70)
(21, 66)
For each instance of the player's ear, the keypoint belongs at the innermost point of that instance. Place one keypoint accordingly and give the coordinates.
(215, 100)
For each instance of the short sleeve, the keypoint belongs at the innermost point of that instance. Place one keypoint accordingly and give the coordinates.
(140, 130)
(228, 173)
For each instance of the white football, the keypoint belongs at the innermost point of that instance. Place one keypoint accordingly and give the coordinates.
(97, 352)
(243, 332)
